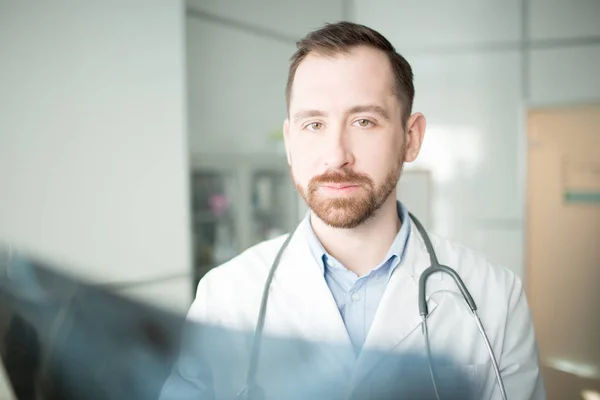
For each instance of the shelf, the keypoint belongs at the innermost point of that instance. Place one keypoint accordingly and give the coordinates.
(208, 216)
(256, 201)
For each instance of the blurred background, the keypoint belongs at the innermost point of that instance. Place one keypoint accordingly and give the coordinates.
(141, 145)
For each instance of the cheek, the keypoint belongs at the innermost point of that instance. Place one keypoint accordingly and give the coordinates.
(377, 160)
(304, 164)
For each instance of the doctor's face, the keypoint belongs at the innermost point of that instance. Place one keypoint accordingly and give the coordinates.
(344, 137)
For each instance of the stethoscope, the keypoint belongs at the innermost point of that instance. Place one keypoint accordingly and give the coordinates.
(253, 391)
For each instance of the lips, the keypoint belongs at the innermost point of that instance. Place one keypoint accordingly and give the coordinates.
(339, 185)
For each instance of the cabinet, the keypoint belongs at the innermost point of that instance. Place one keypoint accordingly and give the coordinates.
(238, 201)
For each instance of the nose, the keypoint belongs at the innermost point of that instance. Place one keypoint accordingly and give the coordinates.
(337, 150)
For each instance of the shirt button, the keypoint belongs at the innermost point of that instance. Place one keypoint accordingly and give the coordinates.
(355, 296)
(330, 263)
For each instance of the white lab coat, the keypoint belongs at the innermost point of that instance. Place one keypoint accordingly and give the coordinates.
(307, 353)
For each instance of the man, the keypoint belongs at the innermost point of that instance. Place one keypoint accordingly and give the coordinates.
(345, 293)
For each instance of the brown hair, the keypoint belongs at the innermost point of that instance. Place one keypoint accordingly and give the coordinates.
(342, 37)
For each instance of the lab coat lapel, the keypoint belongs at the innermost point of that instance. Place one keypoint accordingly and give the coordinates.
(305, 303)
(398, 313)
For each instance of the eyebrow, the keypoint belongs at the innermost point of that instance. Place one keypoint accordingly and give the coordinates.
(308, 114)
(373, 108)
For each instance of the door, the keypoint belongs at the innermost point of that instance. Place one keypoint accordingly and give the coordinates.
(563, 246)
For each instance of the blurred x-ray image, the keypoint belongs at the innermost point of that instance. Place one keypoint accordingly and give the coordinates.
(63, 339)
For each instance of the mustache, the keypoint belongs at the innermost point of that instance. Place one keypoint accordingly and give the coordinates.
(342, 176)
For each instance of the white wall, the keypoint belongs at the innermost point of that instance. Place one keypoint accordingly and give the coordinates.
(238, 58)
(559, 19)
(93, 152)
(237, 84)
(292, 19)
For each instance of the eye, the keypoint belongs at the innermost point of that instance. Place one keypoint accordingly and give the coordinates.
(314, 126)
(364, 123)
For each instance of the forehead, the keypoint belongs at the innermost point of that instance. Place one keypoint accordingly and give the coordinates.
(363, 75)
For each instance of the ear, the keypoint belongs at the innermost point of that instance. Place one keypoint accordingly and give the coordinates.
(286, 140)
(415, 132)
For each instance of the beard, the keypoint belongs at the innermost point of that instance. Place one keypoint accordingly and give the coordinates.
(348, 211)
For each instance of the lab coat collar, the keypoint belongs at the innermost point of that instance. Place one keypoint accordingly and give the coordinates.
(305, 302)
(398, 313)
(308, 307)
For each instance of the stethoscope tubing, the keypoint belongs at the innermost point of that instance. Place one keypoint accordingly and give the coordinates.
(254, 391)
(423, 309)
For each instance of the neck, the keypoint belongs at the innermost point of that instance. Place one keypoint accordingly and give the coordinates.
(362, 248)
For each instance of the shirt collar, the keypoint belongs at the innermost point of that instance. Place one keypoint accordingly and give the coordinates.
(396, 250)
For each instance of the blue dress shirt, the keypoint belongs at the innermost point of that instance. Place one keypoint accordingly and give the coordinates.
(358, 298)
